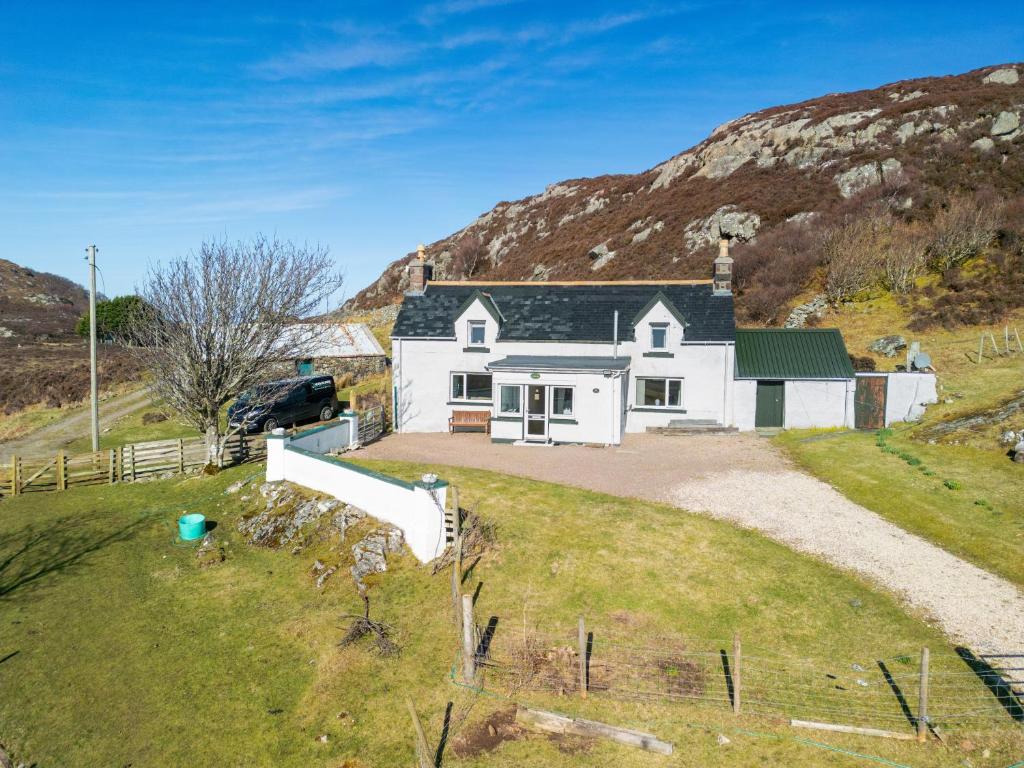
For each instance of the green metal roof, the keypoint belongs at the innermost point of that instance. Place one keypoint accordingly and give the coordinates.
(791, 353)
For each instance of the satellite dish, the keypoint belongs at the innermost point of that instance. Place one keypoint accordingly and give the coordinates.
(922, 360)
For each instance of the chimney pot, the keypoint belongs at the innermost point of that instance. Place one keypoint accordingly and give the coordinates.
(420, 273)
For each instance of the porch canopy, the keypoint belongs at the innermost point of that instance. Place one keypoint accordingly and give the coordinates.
(560, 363)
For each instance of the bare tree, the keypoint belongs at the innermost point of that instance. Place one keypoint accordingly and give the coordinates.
(962, 230)
(215, 323)
(466, 256)
(852, 256)
(903, 258)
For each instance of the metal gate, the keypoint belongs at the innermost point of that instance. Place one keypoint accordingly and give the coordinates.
(869, 402)
(771, 404)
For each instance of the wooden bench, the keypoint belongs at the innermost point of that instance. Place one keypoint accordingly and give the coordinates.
(469, 419)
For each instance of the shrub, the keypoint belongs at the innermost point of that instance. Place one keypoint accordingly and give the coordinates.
(852, 253)
(902, 259)
(953, 485)
(961, 230)
(864, 363)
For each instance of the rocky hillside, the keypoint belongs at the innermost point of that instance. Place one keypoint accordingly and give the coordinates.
(774, 181)
(38, 306)
(44, 361)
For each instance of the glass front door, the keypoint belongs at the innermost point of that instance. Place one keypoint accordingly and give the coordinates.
(536, 412)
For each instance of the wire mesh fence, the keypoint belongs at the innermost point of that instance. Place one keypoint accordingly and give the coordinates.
(962, 690)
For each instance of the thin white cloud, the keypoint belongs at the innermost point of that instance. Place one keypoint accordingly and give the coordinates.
(337, 57)
(435, 12)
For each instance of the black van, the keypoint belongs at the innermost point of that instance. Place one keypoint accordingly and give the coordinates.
(284, 403)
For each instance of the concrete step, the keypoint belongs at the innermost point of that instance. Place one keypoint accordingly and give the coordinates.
(693, 428)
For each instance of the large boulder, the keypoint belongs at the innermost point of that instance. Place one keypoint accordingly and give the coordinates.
(1005, 122)
(888, 345)
(859, 178)
(1003, 76)
(727, 221)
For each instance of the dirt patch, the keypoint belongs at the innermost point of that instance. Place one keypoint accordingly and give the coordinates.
(488, 734)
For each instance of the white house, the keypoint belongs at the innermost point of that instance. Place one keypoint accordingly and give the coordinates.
(587, 362)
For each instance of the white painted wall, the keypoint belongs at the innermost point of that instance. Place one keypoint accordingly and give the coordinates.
(818, 404)
(330, 437)
(417, 511)
(422, 370)
(907, 394)
(744, 404)
(706, 370)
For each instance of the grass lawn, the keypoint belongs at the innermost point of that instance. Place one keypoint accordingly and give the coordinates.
(30, 419)
(117, 649)
(981, 521)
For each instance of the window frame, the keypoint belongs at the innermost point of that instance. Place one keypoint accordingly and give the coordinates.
(551, 402)
(663, 327)
(519, 399)
(465, 387)
(472, 325)
(667, 380)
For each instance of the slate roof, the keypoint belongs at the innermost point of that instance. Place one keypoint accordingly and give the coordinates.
(576, 312)
(791, 353)
(559, 363)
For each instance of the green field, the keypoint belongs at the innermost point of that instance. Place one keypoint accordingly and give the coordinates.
(117, 649)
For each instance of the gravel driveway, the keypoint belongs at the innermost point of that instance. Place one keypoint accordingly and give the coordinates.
(746, 480)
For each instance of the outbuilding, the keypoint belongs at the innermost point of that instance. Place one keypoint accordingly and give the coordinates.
(792, 378)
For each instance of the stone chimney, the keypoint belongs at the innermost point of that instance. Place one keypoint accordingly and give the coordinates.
(420, 273)
(722, 280)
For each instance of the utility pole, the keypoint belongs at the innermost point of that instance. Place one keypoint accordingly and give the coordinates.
(93, 384)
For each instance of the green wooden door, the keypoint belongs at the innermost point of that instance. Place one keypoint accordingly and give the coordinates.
(770, 404)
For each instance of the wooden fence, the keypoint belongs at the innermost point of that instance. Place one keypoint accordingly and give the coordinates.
(125, 464)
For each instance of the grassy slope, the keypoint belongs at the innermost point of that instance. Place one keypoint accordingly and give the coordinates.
(126, 652)
(131, 429)
(991, 538)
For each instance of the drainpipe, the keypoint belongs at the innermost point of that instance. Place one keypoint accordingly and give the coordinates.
(615, 334)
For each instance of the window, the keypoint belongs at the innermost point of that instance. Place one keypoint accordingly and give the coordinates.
(659, 336)
(561, 401)
(659, 393)
(471, 386)
(477, 330)
(509, 400)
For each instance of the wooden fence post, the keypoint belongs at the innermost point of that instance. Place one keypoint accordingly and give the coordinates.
(111, 466)
(15, 475)
(922, 698)
(582, 638)
(468, 651)
(422, 750)
(131, 458)
(62, 471)
(737, 667)
(181, 456)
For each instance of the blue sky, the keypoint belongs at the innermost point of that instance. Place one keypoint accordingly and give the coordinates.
(370, 126)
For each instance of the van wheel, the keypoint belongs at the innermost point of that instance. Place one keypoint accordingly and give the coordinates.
(270, 425)
(326, 413)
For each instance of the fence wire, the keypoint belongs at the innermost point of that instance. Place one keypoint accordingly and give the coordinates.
(964, 691)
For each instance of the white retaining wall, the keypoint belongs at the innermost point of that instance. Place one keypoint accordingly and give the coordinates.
(411, 507)
(907, 394)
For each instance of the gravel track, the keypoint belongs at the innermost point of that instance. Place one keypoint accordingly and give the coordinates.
(971, 605)
(52, 437)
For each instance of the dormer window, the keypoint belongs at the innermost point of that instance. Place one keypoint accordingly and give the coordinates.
(659, 335)
(477, 333)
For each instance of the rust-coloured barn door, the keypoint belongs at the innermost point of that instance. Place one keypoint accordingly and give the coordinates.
(869, 402)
